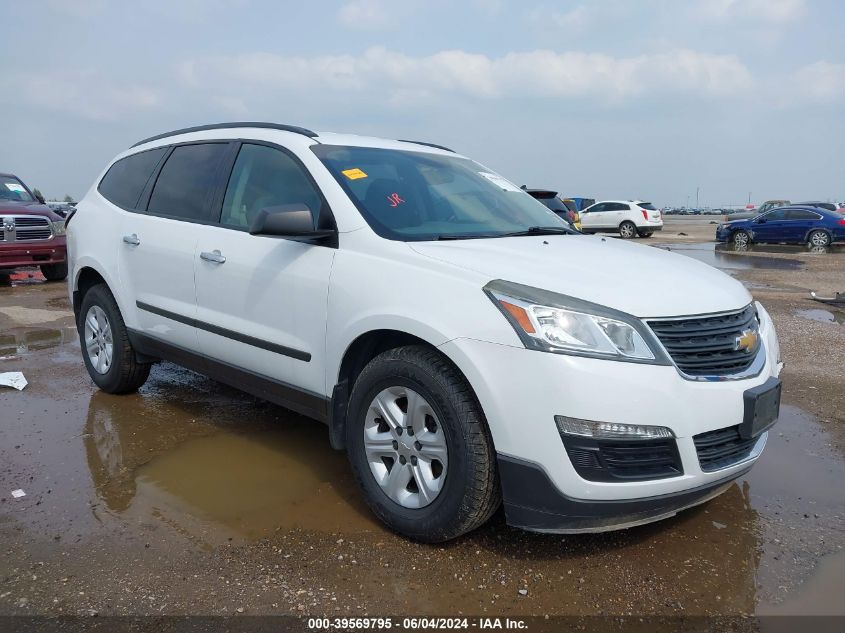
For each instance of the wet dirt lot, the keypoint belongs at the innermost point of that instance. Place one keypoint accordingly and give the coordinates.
(191, 498)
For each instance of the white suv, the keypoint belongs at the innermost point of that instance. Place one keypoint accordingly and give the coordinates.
(629, 217)
(411, 299)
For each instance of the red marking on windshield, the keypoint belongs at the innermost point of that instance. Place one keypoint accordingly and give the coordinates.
(394, 200)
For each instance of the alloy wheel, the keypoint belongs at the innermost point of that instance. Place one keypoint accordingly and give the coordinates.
(99, 344)
(405, 445)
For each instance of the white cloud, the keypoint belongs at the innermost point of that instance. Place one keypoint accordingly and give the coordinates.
(821, 81)
(774, 11)
(575, 18)
(83, 93)
(384, 75)
(365, 14)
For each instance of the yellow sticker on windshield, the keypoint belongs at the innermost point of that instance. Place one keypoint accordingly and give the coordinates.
(353, 174)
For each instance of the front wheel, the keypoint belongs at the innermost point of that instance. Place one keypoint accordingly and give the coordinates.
(54, 272)
(627, 230)
(106, 350)
(741, 239)
(419, 446)
(819, 238)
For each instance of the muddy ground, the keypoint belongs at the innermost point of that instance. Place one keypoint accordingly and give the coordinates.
(191, 498)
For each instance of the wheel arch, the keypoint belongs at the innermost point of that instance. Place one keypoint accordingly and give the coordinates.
(823, 229)
(358, 353)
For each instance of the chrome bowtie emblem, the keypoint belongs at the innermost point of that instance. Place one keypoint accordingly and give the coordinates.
(746, 342)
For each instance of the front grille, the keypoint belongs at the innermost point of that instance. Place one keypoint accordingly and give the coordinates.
(722, 448)
(707, 345)
(614, 460)
(25, 228)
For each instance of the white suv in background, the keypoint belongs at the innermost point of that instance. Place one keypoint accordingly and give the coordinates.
(411, 299)
(629, 217)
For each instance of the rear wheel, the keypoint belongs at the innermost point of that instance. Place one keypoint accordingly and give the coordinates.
(106, 350)
(54, 272)
(741, 238)
(419, 446)
(819, 238)
(628, 230)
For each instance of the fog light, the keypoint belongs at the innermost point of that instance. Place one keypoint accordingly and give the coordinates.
(610, 430)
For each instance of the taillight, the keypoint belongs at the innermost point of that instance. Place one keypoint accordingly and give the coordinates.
(645, 214)
(842, 222)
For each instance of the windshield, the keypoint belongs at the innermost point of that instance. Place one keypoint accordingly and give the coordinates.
(417, 196)
(12, 189)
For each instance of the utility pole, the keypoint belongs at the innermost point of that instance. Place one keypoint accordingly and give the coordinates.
(749, 197)
(696, 197)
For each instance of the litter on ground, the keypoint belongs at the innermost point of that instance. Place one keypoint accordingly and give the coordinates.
(13, 379)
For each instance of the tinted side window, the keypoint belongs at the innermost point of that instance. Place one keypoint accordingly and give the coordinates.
(598, 207)
(777, 214)
(185, 182)
(802, 214)
(265, 177)
(125, 180)
(616, 206)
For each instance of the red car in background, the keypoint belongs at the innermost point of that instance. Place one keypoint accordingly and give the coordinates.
(31, 234)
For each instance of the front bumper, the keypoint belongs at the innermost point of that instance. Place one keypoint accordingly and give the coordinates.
(16, 254)
(533, 503)
(522, 390)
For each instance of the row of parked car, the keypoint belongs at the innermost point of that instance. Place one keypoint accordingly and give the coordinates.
(818, 224)
(630, 218)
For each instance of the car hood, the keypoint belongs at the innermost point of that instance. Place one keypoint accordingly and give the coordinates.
(9, 207)
(640, 280)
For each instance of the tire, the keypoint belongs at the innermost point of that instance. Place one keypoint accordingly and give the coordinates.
(122, 373)
(646, 234)
(819, 238)
(740, 238)
(627, 230)
(469, 491)
(54, 272)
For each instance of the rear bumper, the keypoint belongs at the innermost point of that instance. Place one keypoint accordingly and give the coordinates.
(17, 254)
(532, 502)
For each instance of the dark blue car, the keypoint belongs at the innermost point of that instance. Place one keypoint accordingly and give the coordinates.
(795, 223)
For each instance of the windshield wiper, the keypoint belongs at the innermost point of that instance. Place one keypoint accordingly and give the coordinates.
(531, 230)
(539, 230)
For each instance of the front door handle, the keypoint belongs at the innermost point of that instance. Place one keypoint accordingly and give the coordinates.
(131, 240)
(215, 257)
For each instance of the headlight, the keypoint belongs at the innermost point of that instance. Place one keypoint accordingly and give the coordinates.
(58, 227)
(551, 322)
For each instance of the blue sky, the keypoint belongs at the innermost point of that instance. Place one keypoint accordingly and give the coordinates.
(615, 98)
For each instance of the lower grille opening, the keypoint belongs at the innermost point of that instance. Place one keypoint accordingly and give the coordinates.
(722, 448)
(622, 460)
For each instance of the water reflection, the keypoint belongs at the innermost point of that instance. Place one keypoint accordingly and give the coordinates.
(248, 475)
(19, 342)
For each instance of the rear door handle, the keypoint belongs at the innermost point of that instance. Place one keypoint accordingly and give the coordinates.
(131, 239)
(215, 257)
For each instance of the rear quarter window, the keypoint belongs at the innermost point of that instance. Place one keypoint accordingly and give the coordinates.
(185, 183)
(125, 180)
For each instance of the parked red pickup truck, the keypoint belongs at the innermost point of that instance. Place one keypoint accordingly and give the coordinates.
(31, 234)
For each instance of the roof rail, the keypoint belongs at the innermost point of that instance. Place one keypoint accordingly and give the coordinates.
(219, 126)
(403, 140)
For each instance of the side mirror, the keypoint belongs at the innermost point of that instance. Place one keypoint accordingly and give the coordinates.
(760, 220)
(39, 197)
(287, 220)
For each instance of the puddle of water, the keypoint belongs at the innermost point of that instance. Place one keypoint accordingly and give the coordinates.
(820, 595)
(21, 277)
(726, 257)
(239, 481)
(19, 342)
(823, 316)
